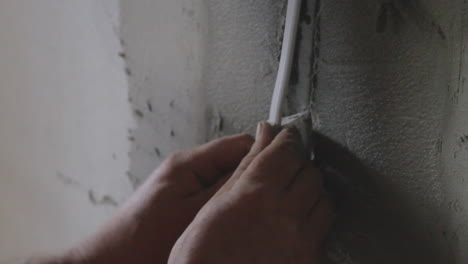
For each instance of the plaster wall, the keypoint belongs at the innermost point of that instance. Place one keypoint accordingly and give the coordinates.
(64, 117)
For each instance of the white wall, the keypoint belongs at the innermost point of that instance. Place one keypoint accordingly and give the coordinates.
(64, 118)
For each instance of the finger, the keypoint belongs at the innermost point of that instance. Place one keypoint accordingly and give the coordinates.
(304, 191)
(264, 136)
(319, 221)
(213, 160)
(280, 162)
(204, 196)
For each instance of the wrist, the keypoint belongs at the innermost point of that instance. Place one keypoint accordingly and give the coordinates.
(54, 260)
(73, 256)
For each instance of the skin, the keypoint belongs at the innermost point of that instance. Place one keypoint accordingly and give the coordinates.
(272, 210)
(232, 200)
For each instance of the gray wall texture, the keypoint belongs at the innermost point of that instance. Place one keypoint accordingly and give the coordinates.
(386, 82)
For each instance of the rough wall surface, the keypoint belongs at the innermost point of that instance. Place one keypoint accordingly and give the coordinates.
(382, 87)
(390, 90)
(454, 158)
(386, 82)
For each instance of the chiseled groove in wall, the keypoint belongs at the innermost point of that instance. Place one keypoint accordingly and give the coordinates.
(304, 70)
(299, 91)
(315, 56)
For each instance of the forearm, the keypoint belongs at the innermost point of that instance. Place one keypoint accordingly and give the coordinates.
(64, 258)
(43, 260)
(48, 260)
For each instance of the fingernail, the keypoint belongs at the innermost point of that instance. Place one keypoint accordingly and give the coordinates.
(259, 130)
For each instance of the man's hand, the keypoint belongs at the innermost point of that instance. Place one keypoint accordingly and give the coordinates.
(261, 204)
(146, 228)
(272, 210)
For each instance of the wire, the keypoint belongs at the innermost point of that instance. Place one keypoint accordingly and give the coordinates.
(284, 69)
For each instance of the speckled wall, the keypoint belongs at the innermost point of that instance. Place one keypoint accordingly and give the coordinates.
(64, 118)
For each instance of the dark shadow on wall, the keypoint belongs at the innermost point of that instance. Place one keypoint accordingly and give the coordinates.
(381, 90)
(370, 228)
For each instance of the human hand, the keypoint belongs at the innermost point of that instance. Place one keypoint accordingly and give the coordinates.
(146, 228)
(272, 210)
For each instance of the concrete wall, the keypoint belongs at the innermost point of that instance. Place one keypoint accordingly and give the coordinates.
(385, 80)
(384, 91)
(64, 118)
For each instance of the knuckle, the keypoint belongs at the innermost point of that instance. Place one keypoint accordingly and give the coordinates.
(245, 137)
(290, 154)
(255, 193)
(248, 159)
(284, 156)
(289, 134)
(286, 146)
(175, 160)
(245, 140)
(262, 162)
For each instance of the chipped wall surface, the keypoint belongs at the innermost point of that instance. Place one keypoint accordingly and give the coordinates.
(164, 44)
(65, 115)
(385, 80)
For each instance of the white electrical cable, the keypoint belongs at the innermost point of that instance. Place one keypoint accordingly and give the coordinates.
(287, 54)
